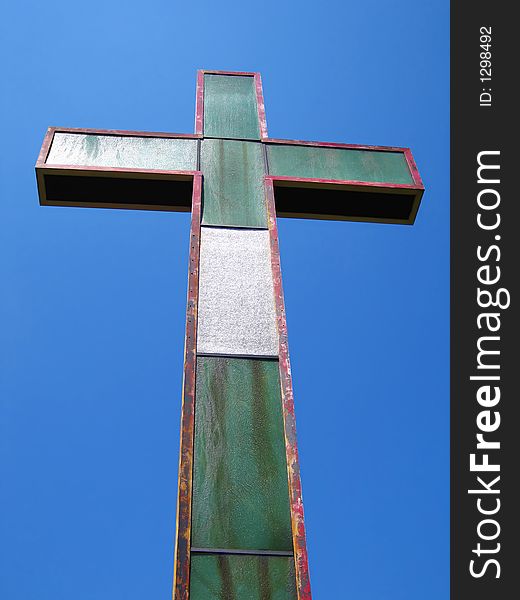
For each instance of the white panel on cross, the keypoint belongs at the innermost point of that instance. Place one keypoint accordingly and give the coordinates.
(236, 294)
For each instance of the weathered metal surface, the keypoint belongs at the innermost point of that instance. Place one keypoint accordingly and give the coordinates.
(199, 104)
(102, 186)
(336, 145)
(130, 152)
(261, 106)
(230, 109)
(236, 303)
(338, 163)
(225, 577)
(181, 574)
(317, 183)
(240, 493)
(303, 585)
(233, 183)
(51, 131)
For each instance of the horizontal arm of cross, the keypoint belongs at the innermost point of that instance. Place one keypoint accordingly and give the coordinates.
(137, 170)
(145, 170)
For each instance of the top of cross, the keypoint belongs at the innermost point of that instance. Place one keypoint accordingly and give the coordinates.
(230, 149)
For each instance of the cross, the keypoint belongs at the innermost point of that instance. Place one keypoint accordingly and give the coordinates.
(240, 526)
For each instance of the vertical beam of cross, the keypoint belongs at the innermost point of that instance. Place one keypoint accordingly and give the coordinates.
(240, 526)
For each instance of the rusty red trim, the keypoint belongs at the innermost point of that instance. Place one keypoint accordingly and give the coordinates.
(181, 576)
(262, 121)
(46, 146)
(199, 104)
(42, 157)
(309, 181)
(303, 586)
(260, 105)
(237, 73)
(124, 132)
(337, 145)
(116, 132)
(154, 207)
(413, 168)
(115, 171)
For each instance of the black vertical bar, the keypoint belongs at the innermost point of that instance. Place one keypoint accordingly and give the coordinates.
(485, 250)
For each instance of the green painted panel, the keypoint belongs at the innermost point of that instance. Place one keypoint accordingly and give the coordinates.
(230, 108)
(233, 188)
(338, 163)
(240, 489)
(234, 577)
(129, 152)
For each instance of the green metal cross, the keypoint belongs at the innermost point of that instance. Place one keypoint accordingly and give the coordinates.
(240, 528)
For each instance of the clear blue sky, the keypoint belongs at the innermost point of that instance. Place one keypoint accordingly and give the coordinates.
(93, 302)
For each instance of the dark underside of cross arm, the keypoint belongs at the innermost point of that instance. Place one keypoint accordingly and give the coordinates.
(157, 193)
(174, 193)
(342, 203)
